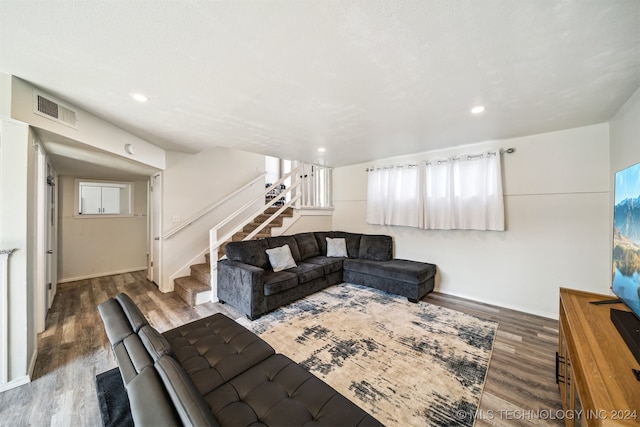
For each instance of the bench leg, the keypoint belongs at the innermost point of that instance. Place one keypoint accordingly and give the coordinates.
(413, 300)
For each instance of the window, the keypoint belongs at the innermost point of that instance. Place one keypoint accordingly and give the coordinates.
(104, 198)
(461, 193)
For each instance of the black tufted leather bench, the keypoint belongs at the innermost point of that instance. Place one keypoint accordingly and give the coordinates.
(215, 372)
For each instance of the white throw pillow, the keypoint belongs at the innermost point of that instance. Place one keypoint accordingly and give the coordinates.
(336, 247)
(281, 258)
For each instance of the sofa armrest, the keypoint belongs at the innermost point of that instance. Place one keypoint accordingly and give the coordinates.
(242, 285)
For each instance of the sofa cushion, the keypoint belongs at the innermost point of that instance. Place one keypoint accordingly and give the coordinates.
(329, 264)
(353, 241)
(252, 252)
(280, 258)
(376, 247)
(278, 391)
(116, 324)
(154, 342)
(279, 281)
(396, 269)
(137, 353)
(189, 403)
(307, 245)
(131, 310)
(215, 349)
(149, 401)
(336, 247)
(307, 272)
(275, 242)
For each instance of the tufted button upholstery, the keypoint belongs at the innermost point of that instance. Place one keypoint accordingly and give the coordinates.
(215, 349)
(279, 392)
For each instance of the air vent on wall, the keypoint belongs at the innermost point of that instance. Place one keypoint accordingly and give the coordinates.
(46, 106)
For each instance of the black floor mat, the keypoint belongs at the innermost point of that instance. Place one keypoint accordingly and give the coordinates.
(113, 399)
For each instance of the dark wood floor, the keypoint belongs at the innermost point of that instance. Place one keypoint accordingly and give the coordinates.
(520, 387)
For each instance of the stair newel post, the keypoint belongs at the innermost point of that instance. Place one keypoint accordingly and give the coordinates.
(213, 262)
(295, 178)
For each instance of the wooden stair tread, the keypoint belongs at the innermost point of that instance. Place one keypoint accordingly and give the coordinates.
(189, 283)
(201, 267)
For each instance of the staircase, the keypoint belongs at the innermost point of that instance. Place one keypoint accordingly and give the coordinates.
(195, 288)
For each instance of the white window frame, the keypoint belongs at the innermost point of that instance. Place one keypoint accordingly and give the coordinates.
(107, 184)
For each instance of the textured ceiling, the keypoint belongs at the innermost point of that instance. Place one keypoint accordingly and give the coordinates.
(364, 79)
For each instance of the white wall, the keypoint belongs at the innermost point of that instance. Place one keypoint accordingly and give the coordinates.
(92, 130)
(307, 220)
(93, 247)
(5, 95)
(557, 212)
(625, 137)
(190, 184)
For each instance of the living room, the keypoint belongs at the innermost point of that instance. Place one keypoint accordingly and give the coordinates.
(558, 198)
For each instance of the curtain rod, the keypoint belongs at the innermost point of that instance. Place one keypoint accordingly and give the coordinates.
(510, 150)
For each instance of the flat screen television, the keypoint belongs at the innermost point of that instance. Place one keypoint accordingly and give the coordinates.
(626, 255)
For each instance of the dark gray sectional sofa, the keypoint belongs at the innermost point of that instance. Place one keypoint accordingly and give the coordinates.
(247, 281)
(215, 372)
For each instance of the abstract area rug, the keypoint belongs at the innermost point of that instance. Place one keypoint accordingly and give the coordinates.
(113, 400)
(404, 363)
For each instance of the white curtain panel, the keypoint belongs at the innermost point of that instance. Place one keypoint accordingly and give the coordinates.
(455, 194)
(403, 199)
(464, 194)
(438, 196)
(393, 196)
(377, 190)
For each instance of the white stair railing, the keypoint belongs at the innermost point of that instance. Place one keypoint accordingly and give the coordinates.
(315, 190)
(309, 188)
(211, 207)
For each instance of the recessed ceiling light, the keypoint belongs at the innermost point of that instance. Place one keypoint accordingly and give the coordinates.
(139, 97)
(478, 109)
(321, 150)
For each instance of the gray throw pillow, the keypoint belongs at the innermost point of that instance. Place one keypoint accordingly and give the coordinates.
(336, 247)
(281, 258)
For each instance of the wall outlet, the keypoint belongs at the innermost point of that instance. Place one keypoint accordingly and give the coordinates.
(177, 218)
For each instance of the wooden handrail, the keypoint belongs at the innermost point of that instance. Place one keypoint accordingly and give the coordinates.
(211, 207)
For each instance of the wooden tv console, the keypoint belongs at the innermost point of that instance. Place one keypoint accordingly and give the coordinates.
(594, 365)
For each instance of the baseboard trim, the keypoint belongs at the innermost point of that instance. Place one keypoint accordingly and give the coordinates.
(104, 273)
(26, 379)
(500, 304)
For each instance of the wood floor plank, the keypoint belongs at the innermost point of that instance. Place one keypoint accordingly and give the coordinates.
(74, 349)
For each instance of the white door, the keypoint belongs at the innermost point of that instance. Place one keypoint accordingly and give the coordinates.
(155, 187)
(46, 240)
(41, 239)
(52, 240)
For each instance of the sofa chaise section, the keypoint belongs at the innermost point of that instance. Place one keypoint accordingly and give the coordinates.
(397, 276)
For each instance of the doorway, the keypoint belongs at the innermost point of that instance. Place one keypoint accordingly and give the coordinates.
(154, 270)
(46, 240)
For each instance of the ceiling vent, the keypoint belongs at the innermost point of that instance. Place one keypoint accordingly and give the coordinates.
(47, 106)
